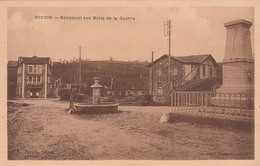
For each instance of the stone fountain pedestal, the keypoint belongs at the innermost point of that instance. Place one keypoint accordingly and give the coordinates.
(97, 106)
(96, 91)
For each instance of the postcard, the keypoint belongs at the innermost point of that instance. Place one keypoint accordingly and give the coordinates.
(127, 82)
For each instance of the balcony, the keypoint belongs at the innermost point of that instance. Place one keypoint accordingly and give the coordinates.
(34, 83)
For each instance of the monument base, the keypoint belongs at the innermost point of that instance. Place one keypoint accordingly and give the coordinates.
(239, 101)
(235, 90)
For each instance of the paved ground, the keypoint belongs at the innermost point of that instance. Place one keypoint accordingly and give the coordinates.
(42, 129)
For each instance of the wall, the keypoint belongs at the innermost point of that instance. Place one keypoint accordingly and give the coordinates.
(12, 82)
(132, 92)
(19, 82)
(29, 85)
(160, 76)
(209, 65)
(188, 69)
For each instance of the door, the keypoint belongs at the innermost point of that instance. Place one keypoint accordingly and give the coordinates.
(34, 93)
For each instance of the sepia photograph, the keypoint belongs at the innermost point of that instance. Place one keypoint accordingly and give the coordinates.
(162, 83)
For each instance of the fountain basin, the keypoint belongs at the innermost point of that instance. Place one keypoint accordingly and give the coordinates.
(100, 108)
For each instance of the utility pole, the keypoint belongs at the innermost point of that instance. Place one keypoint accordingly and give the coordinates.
(152, 79)
(168, 27)
(79, 69)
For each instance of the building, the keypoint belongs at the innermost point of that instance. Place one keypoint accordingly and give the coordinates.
(34, 77)
(127, 92)
(11, 79)
(135, 86)
(188, 73)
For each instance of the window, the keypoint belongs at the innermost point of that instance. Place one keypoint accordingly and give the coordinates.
(38, 69)
(30, 68)
(159, 72)
(210, 72)
(159, 99)
(159, 85)
(174, 71)
(174, 84)
(204, 70)
(30, 78)
(38, 78)
(19, 80)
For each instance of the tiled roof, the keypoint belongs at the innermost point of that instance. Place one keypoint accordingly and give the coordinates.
(12, 64)
(187, 59)
(192, 58)
(35, 59)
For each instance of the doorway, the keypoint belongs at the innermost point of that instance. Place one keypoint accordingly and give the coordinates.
(34, 93)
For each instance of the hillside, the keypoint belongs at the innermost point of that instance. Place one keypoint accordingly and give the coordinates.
(125, 74)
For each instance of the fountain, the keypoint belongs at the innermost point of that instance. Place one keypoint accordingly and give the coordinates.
(97, 106)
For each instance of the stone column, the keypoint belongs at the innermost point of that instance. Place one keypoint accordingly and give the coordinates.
(238, 63)
(96, 91)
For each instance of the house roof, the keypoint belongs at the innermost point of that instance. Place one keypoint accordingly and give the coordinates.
(187, 59)
(199, 84)
(192, 58)
(35, 59)
(12, 64)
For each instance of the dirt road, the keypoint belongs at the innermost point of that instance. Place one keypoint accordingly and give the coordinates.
(42, 129)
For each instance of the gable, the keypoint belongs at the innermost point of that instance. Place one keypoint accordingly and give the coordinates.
(211, 60)
(163, 59)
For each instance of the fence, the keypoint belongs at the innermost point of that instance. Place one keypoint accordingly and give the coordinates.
(226, 105)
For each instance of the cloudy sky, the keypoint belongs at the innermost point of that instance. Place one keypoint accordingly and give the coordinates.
(196, 30)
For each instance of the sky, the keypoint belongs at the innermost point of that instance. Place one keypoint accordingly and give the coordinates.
(195, 30)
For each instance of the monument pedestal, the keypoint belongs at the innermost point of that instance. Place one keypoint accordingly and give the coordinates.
(237, 77)
(238, 68)
(238, 63)
(233, 100)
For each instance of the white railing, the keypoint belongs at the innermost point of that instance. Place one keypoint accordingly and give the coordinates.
(225, 105)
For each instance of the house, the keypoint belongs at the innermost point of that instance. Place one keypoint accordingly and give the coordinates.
(123, 87)
(127, 92)
(11, 79)
(34, 77)
(187, 73)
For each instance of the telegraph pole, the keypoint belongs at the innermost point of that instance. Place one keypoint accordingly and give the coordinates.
(79, 69)
(168, 27)
(152, 79)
